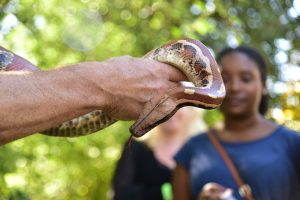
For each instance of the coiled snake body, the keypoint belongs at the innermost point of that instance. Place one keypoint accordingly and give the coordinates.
(190, 56)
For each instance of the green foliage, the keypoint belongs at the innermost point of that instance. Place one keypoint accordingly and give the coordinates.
(53, 32)
(54, 168)
(17, 195)
(212, 117)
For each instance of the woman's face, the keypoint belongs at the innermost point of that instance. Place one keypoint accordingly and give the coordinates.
(243, 84)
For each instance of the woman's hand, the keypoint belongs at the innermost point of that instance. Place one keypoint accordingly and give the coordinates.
(214, 191)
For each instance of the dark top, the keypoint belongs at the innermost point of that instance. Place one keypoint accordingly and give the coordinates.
(139, 176)
(271, 165)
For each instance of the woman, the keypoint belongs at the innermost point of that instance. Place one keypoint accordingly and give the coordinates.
(266, 155)
(144, 170)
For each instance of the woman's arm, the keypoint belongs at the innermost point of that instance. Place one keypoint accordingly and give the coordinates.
(180, 184)
(32, 101)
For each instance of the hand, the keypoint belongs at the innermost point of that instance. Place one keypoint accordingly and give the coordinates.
(131, 82)
(214, 191)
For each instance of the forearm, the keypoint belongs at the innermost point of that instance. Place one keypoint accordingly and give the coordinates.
(34, 101)
(180, 184)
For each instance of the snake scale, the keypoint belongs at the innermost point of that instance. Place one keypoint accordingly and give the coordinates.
(188, 55)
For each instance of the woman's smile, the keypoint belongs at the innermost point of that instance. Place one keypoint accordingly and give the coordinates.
(235, 101)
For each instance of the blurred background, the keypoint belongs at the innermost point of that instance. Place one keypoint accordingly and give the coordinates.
(52, 33)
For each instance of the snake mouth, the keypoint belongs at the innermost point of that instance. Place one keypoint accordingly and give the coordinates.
(156, 111)
(140, 133)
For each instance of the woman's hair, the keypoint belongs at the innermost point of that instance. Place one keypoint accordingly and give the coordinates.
(255, 56)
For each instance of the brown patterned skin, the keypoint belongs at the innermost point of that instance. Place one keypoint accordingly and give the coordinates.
(83, 125)
(188, 55)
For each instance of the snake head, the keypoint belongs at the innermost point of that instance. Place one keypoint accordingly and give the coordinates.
(156, 111)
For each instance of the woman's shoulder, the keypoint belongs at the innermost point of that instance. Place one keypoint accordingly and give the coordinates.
(287, 132)
(287, 136)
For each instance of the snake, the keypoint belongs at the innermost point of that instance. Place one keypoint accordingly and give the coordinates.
(188, 55)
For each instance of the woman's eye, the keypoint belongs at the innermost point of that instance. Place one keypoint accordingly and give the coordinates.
(246, 79)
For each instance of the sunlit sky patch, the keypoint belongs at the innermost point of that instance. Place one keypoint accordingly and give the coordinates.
(296, 5)
(290, 72)
(10, 21)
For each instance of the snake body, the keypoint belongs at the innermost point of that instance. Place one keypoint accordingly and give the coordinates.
(190, 56)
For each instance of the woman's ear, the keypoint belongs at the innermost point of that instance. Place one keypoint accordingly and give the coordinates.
(265, 90)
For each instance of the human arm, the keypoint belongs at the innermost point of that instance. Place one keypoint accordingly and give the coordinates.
(180, 184)
(37, 100)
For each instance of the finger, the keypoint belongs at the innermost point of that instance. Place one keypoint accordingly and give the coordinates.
(173, 73)
(213, 187)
